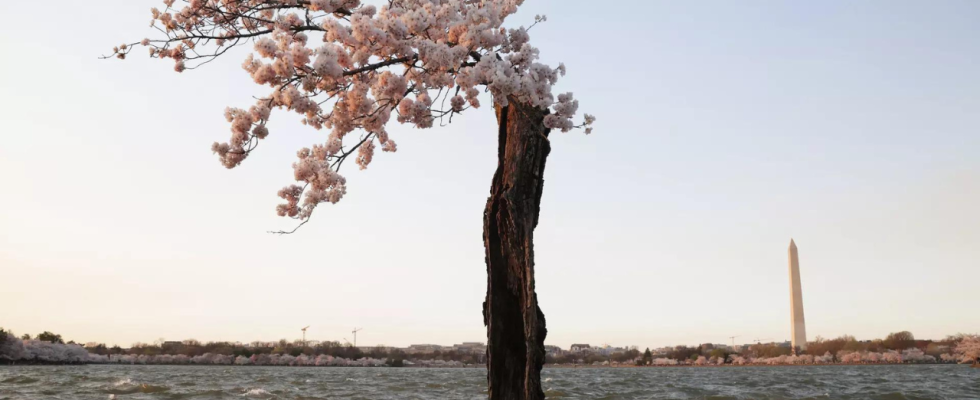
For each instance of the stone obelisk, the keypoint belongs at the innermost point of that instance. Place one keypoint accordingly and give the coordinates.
(796, 299)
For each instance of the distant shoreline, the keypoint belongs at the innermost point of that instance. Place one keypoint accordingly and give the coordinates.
(546, 366)
(747, 365)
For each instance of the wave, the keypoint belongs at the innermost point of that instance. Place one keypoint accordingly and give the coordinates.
(257, 392)
(20, 380)
(141, 388)
(128, 386)
(121, 382)
(554, 394)
(189, 395)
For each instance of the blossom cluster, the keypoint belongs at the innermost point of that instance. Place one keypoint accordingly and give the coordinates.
(702, 360)
(15, 349)
(347, 67)
(911, 355)
(968, 349)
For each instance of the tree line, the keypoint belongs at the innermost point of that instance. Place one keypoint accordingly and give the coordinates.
(845, 348)
(896, 347)
(193, 348)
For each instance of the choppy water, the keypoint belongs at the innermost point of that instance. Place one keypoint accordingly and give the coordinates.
(889, 382)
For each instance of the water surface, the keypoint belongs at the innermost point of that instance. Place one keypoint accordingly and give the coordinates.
(884, 382)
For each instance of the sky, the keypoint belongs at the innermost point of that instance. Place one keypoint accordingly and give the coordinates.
(724, 130)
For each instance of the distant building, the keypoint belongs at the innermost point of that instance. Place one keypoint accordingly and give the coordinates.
(423, 348)
(553, 350)
(578, 348)
(171, 346)
(798, 322)
(470, 348)
(608, 350)
(368, 349)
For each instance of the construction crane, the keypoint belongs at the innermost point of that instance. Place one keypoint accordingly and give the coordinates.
(304, 335)
(733, 341)
(355, 335)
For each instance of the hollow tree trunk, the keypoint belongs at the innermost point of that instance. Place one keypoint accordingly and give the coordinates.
(515, 323)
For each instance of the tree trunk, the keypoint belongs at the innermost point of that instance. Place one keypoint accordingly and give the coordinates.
(515, 323)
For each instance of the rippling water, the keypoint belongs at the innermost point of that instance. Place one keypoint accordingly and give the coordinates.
(227, 382)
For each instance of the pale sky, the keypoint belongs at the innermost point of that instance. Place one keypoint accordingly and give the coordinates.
(724, 129)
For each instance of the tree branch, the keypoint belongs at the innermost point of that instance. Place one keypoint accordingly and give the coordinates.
(372, 67)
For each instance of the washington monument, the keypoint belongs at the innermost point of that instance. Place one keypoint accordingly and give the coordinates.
(796, 299)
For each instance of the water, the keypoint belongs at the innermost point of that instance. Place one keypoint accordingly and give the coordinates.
(884, 382)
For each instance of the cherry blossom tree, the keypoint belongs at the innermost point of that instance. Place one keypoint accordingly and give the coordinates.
(826, 358)
(15, 349)
(348, 69)
(738, 360)
(12, 347)
(664, 361)
(916, 355)
(968, 349)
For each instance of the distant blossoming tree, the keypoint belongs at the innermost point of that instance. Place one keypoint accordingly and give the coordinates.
(350, 68)
(968, 349)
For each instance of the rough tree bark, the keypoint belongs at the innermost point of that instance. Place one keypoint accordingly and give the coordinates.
(515, 323)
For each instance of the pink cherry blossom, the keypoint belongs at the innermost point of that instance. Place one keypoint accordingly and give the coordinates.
(417, 62)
